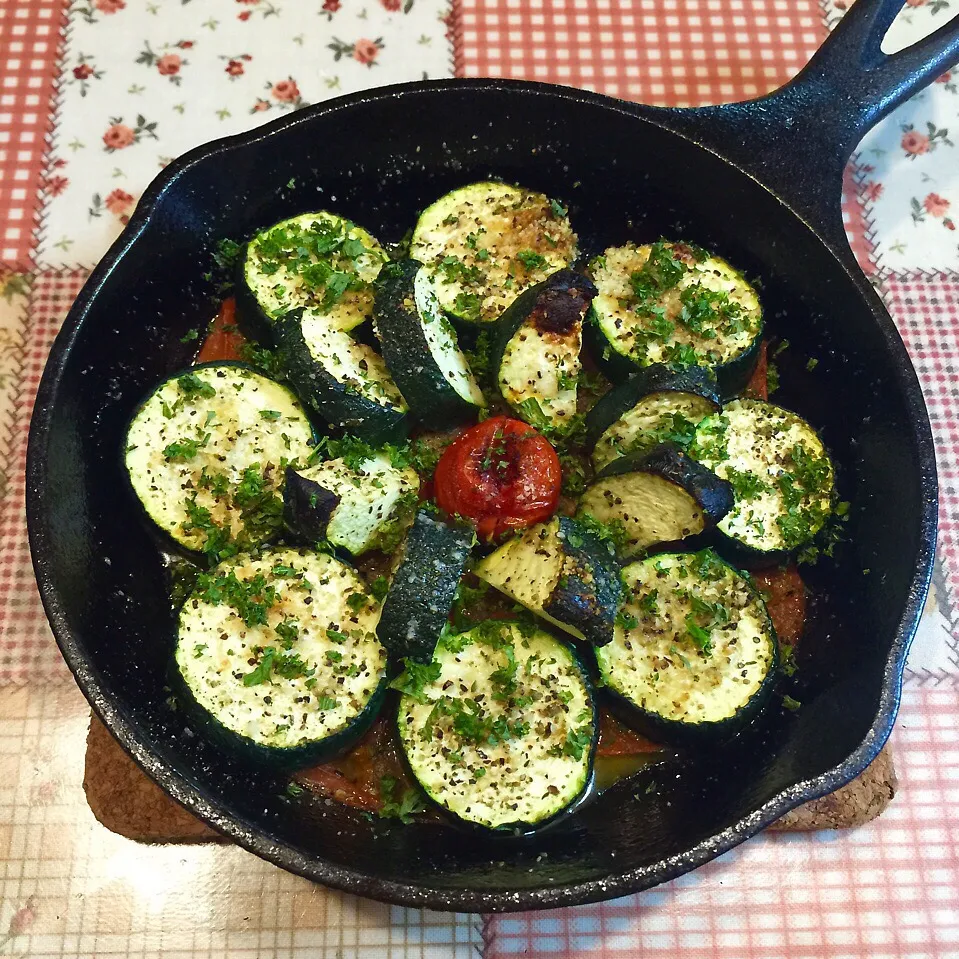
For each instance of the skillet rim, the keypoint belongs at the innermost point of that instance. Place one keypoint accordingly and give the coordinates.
(135, 741)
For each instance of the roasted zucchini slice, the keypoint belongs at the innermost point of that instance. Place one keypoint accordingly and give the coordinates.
(675, 303)
(658, 497)
(487, 242)
(277, 657)
(781, 476)
(536, 350)
(423, 588)
(562, 572)
(358, 508)
(344, 380)
(205, 454)
(694, 656)
(319, 262)
(501, 732)
(653, 406)
(420, 348)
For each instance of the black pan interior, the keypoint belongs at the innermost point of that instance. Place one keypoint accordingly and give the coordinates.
(379, 160)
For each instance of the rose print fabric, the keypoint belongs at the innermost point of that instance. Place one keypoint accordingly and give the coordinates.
(143, 82)
(909, 165)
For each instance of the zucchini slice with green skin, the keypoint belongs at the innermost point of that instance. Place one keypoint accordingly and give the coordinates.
(355, 509)
(344, 380)
(675, 303)
(661, 496)
(319, 262)
(695, 654)
(420, 347)
(278, 659)
(487, 242)
(537, 346)
(782, 478)
(423, 588)
(205, 455)
(562, 572)
(653, 406)
(501, 732)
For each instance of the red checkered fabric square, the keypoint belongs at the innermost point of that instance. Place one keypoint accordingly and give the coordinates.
(926, 311)
(887, 889)
(657, 51)
(30, 35)
(854, 220)
(26, 644)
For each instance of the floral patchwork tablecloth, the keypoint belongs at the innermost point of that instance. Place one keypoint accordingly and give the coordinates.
(96, 96)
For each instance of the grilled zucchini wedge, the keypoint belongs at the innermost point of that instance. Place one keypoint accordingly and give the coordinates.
(487, 242)
(695, 654)
(503, 737)
(319, 262)
(358, 508)
(344, 380)
(653, 406)
(562, 572)
(421, 594)
(782, 479)
(536, 350)
(206, 452)
(658, 497)
(420, 348)
(675, 303)
(278, 660)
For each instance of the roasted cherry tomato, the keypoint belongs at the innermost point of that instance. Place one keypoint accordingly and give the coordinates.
(223, 342)
(502, 474)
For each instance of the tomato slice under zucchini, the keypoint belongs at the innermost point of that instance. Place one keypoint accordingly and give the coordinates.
(501, 474)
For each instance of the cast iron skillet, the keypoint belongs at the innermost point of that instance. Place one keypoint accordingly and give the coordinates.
(758, 181)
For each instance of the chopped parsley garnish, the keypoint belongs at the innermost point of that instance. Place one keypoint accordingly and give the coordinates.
(182, 451)
(288, 631)
(272, 415)
(325, 702)
(379, 588)
(791, 704)
(468, 305)
(699, 635)
(415, 678)
(191, 386)
(614, 533)
(531, 260)
(252, 598)
(649, 603)
(787, 658)
(578, 741)
(357, 601)
(402, 807)
(746, 486)
(661, 272)
(264, 667)
(626, 620)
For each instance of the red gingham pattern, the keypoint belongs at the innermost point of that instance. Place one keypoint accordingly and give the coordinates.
(27, 650)
(656, 51)
(888, 889)
(926, 312)
(854, 220)
(29, 48)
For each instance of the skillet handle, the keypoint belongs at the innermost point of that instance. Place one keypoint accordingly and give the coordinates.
(799, 138)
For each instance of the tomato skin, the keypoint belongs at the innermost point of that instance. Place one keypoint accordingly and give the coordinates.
(223, 341)
(502, 474)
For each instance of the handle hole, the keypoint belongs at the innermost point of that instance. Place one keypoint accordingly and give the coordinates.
(914, 22)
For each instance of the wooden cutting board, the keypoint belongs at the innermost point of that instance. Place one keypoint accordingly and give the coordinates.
(127, 802)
